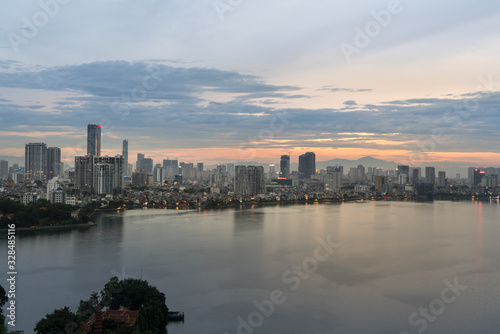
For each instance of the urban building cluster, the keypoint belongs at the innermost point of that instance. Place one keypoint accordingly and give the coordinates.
(95, 176)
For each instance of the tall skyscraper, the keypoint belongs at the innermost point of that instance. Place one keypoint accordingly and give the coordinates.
(140, 157)
(430, 175)
(307, 165)
(403, 174)
(171, 168)
(4, 169)
(333, 178)
(249, 180)
(416, 174)
(125, 157)
(478, 176)
(147, 164)
(158, 173)
(54, 166)
(285, 166)
(94, 140)
(103, 174)
(35, 161)
(442, 181)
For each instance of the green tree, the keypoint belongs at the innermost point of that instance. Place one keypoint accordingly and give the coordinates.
(59, 321)
(136, 294)
(88, 307)
(3, 300)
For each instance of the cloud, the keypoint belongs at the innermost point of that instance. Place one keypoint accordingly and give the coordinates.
(172, 115)
(334, 89)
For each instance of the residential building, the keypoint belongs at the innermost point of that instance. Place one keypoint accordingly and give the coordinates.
(307, 165)
(285, 166)
(430, 175)
(35, 162)
(249, 180)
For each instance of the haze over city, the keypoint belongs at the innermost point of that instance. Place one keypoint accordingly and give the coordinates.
(412, 82)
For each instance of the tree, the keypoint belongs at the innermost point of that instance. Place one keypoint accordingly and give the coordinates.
(3, 300)
(137, 294)
(59, 321)
(88, 307)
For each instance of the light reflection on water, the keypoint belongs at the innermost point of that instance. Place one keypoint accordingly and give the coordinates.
(213, 265)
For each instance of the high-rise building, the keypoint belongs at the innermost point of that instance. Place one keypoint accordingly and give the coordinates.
(430, 175)
(171, 168)
(138, 163)
(442, 182)
(403, 170)
(285, 166)
(478, 176)
(147, 164)
(158, 174)
(94, 140)
(199, 166)
(416, 174)
(470, 174)
(230, 169)
(249, 180)
(490, 181)
(125, 157)
(103, 178)
(187, 170)
(380, 181)
(97, 174)
(333, 178)
(307, 165)
(54, 166)
(357, 173)
(139, 177)
(35, 161)
(4, 169)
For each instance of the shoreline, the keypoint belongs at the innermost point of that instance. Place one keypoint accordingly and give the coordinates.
(45, 228)
(250, 205)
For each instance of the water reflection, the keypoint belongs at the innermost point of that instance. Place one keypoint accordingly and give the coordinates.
(247, 220)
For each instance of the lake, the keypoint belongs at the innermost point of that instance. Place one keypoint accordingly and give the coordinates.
(367, 267)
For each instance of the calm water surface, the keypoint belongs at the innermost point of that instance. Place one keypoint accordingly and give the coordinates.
(394, 261)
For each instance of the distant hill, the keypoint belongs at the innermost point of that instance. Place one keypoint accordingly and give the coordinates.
(365, 161)
(450, 167)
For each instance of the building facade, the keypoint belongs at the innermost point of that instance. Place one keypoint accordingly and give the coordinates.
(125, 157)
(249, 180)
(99, 175)
(307, 165)
(35, 162)
(94, 140)
(285, 166)
(54, 165)
(430, 175)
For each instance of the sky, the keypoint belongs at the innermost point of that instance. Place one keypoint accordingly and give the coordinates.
(215, 81)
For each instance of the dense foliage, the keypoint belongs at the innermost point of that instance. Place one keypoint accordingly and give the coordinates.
(136, 294)
(133, 294)
(59, 321)
(40, 213)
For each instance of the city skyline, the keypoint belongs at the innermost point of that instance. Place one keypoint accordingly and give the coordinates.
(330, 85)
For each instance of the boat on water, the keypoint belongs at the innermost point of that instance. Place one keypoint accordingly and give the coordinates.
(175, 316)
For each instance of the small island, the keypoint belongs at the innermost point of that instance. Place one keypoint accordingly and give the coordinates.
(123, 306)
